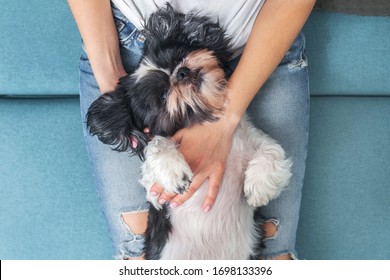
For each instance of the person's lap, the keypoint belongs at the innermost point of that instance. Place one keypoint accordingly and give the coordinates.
(281, 109)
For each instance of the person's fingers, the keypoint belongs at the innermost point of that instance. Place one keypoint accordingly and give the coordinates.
(178, 136)
(163, 196)
(146, 130)
(212, 191)
(147, 133)
(156, 190)
(196, 183)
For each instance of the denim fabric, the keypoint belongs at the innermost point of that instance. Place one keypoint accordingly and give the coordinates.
(281, 109)
(116, 174)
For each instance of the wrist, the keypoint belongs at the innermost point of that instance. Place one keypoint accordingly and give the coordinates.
(233, 119)
(107, 68)
(108, 79)
(232, 114)
(230, 121)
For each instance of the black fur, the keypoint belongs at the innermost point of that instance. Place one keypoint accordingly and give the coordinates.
(259, 221)
(119, 116)
(171, 35)
(156, 236)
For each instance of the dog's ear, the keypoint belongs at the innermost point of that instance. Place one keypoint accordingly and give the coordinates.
(203, 32)
(110, 118)
(162, 26)
(166, 26)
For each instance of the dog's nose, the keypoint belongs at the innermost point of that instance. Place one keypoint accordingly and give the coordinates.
(182, 73)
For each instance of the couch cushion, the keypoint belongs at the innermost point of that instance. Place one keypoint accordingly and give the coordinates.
(39, 48)
(49, 208)
(360, 7)
(348, 55)
(345, 206)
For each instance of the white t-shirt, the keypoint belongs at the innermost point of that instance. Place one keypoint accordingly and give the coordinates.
(236, 16)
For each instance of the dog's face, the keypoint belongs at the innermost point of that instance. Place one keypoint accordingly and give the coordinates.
(179, 82)
(191, 91)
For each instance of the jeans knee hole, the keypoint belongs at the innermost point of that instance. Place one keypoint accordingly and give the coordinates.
(135, 222)
(271, 229)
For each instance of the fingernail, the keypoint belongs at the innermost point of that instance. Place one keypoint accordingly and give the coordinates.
(173, 204)
(153, 194)
(207, 208)
(162, 201)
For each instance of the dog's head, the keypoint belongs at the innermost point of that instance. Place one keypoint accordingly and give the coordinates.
(179, 82)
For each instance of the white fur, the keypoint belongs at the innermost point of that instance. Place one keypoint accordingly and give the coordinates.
(165, 165)
(145, 67)
(257, 170)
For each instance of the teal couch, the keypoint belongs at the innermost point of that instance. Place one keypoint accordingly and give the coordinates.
(48, 205)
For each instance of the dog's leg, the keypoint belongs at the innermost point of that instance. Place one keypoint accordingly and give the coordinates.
(268, 170)
(166, 166)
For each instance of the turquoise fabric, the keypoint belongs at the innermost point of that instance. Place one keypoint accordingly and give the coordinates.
(49, 208)
(348, 55)
(346, 196)
(48, 205)
(39, 48)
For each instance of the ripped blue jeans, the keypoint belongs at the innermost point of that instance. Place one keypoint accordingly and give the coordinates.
(281, 109)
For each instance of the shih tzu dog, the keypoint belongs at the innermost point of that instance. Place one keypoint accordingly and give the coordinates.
(181, 82)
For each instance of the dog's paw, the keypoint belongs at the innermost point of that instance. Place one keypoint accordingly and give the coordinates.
(182, 183)
(178, 182)
(166, 166)
(268, 173)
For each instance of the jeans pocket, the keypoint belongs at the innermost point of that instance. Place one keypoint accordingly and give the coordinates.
(296, 54)
(128, 35)
(84, 63)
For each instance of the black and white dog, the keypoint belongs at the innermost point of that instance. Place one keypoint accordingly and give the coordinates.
(181, 82)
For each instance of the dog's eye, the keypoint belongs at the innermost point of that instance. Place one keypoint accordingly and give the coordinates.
(182, 73)
(163, 96)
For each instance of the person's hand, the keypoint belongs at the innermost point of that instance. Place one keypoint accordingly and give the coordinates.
(107, 82)
(206, 148)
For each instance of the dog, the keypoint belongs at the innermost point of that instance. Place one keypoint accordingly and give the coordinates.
(181, 82)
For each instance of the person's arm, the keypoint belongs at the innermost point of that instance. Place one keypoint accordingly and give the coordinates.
(97, 28)
(206, 147)
(275, 29)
